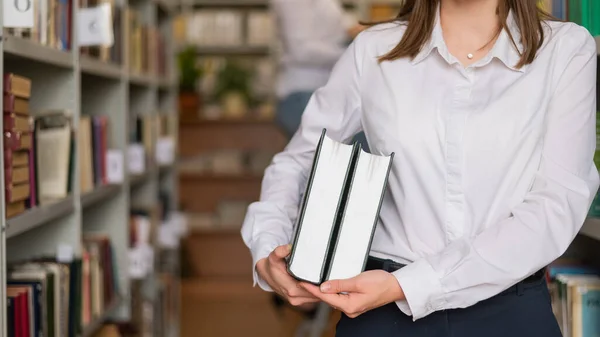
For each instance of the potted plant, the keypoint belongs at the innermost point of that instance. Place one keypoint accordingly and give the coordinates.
(232, 89)
(190, 99)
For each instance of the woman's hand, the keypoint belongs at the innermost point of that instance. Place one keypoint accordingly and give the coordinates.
(355, 296)
(273, 270)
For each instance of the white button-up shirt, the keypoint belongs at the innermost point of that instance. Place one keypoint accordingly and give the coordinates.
(493, 174)
(313, 37)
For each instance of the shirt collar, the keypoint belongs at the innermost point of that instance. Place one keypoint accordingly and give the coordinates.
(504, 50)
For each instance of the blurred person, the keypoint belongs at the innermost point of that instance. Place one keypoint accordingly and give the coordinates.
(313, 35)
(490, 108)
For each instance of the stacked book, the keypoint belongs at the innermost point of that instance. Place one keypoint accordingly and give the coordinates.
(339, 212)
(19, 177)
(46, 297)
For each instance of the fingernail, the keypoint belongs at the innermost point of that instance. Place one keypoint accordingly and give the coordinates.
(289, 246)
(325, 287)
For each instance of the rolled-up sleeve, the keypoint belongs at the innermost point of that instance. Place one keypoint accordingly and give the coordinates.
(543, 225)
(336, 106)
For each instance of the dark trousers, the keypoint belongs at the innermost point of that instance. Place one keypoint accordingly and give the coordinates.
(521, 311)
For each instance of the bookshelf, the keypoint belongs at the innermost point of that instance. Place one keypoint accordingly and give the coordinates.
(87, 86)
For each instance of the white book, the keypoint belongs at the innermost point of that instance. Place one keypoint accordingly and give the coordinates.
(339, 212)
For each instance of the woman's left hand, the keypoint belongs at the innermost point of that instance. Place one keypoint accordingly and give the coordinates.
(357, 295)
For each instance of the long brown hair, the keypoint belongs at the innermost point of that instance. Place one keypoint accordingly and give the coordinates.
(420, 18)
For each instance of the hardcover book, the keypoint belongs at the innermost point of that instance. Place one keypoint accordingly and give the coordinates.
(339, 212)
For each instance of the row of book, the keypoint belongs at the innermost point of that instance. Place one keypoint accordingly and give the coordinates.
(147, 46)
(575, 294)
(92, 150)
(47, 297)
(30, 143)
(51, 26)
(228, 28)
(585, 13)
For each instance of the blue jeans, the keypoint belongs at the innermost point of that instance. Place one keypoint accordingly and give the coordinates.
(289, 115)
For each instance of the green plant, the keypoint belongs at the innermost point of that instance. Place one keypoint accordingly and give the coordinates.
(189, 73)
(233, 78)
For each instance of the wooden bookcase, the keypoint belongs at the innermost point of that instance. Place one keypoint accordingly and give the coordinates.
(67, 80)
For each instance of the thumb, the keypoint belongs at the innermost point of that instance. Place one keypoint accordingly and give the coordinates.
(282, 251)
(339, 286)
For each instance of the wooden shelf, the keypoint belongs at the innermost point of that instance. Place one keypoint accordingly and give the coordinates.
(226, 122)
(231, 3)
(206, 176)
(94, 66)
(96, 324)
(39, 216)
(27, 49)
(138, 179)
(99, 194)
(234, 50)
(141, 79)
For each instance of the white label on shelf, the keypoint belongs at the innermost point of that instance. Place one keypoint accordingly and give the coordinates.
(64, 253)
(165, 151)
(94, 26)
(137, 264)
(168, 236)
(143, 226)
(114, 167)
(136, 157)
(18, 13)
(180, 223)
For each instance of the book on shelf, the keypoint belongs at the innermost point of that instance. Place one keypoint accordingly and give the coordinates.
(584, 13)
(147, 46)
(54, 142)
(47, 297)
(339, 212)
(19, 181)
(215, 28)
(51, 26)
(575, 297)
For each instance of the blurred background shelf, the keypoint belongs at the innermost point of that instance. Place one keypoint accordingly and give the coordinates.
(96, 325)
(100, 68)
(234, 50)
(99, 194)
(591, 228)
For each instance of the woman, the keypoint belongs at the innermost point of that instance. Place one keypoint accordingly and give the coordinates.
(490, 109)
(314, 34)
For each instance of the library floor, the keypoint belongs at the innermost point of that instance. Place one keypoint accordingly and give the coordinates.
(234, 309)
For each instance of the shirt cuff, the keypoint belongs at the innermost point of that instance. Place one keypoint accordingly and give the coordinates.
(422, 289)
(261, 248)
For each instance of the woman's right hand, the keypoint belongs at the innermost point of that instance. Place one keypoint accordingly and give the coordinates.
(273, 270)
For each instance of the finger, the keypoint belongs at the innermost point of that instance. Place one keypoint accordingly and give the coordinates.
(335, 300)
(282, 251)
(299, 301)
(340, 286)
